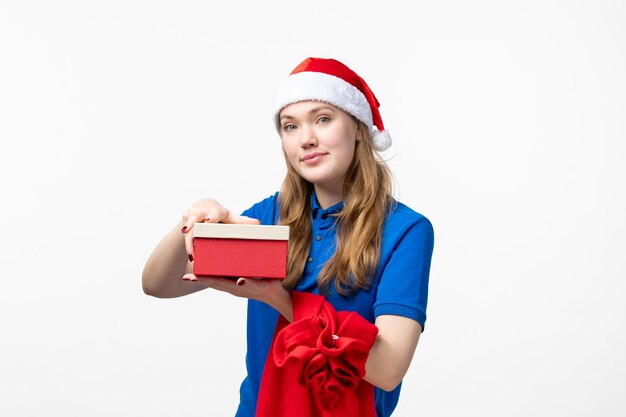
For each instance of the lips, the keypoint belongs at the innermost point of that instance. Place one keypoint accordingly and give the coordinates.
(311, 157)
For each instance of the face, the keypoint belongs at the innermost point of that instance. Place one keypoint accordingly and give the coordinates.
(319, 140)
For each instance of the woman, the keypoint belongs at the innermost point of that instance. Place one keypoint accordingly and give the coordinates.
(350, 241)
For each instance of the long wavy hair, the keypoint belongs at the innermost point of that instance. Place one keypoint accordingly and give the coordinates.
(367, 192)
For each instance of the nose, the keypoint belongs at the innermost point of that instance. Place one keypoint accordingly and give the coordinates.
(308, 138)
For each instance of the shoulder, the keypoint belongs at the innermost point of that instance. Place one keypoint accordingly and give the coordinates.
(405, 226)
(265, 210)
(401, 216)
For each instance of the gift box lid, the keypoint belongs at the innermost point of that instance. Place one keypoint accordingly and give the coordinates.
(240, 231)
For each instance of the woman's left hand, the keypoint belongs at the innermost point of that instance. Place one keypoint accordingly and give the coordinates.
(268, 291)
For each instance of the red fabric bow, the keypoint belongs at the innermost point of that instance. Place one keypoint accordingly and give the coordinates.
(316, 364)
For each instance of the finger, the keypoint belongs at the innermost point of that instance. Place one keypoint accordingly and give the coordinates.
(220, 284)
(189, 245)
(190, 277)
(184, 221)
(236, 219)
(200, 280)
(187, 236)
(211, 218)
(191, 217)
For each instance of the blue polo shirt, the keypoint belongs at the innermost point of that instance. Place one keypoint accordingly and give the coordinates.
(399, 286)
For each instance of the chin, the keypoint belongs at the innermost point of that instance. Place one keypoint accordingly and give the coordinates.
(312, 177)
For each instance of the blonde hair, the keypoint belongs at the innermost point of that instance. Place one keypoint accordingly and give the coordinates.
(367, 192)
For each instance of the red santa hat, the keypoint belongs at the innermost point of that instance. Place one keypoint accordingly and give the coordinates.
(332, 82)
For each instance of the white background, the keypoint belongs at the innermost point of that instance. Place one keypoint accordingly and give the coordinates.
(510, 136)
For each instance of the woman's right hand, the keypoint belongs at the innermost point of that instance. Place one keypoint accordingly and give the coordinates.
(208, 210)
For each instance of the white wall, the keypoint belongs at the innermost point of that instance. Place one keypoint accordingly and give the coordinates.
(510, 135)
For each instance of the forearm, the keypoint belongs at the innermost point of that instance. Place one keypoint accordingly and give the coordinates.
(391, 354)
(167, 264)
(282, 304)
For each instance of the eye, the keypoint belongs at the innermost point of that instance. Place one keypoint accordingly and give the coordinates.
(324, 119)
(289, 127)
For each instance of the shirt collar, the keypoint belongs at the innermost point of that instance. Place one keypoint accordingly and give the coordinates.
(317, 210)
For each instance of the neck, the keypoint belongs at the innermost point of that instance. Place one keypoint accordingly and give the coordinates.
(327, 196)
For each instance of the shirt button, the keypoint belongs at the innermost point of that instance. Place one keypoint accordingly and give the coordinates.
(310, 259)
(318, 237)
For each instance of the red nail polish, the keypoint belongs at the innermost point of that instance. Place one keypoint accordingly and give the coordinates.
(190, 257)
(184, 229)
(241, 282)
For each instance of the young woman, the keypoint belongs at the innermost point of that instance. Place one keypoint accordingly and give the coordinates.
(350, 241)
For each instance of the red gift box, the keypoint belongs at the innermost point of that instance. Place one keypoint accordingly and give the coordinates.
(240, 250)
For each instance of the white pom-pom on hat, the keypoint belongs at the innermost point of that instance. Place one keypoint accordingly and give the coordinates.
(332, 82)
(382, 140)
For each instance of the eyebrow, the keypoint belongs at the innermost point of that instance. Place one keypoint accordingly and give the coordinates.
(312, 111)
